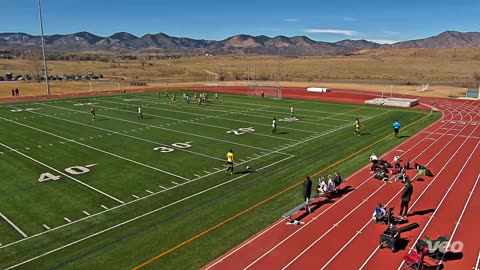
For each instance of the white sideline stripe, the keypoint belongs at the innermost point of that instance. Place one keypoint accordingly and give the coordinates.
(64, 174)
(125, 135)
(135, 196)
(99, 150)
(13, 225)
(86, 213)
(162, 187)
(127, 221)
(46, 227)
(148, 191)
(67, 220)
(104, 207)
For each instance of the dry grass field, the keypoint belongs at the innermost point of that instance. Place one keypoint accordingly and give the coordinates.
(448, 71)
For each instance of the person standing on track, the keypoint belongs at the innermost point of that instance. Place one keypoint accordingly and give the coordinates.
(230, 162)
(406, 197)
(396, 127)
(307, 191)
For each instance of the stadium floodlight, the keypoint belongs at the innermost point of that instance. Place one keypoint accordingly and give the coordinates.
(43, 47)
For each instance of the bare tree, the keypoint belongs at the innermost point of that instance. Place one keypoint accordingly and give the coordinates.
(476, 77)
(34, 64)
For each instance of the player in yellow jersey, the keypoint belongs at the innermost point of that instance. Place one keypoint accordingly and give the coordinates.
(230, 162)
(173, 99)
(357, 127)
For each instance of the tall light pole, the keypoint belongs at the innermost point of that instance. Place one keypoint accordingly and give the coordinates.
(278, 72)
(43, 48)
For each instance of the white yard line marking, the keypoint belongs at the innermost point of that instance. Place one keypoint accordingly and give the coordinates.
(67, 220)
(86, 213)
(174, 130)
(64, 174)
(175, 183)
(135, 196)
(207, 172)
(148, 191)
(99, 150)
(46, 227)
(13, 225)
(129, 136)
(162, 187)
(127, 221)
(197, 175)
(104, 207)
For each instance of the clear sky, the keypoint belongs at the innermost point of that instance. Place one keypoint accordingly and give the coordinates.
(323, 20)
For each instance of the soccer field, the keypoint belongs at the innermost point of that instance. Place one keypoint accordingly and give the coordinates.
(114, 192)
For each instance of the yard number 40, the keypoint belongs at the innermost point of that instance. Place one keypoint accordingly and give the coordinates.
(74, 170)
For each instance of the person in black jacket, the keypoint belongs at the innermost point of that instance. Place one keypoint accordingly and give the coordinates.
(406, 197)
(307, 190)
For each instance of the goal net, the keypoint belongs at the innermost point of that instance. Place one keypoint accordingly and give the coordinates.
(268, 89)
(104, 86)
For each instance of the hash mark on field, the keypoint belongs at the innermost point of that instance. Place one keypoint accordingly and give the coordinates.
(62, 142)
(217, 169)
(162, 187)
(104, 207)
(100, 136)
(109, 134)
(26, 148)
(207, 172)
(151, 192)
(68, 220)
(86, 213)
(90, 165)
(175, 183)
(197, 175)
(1, 153)
(135, 196)
(39, 146)
(50, 144)
(82, 139)
(91, 137)
(46, 227)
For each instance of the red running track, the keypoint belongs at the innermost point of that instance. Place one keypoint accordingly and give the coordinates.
(340, 235)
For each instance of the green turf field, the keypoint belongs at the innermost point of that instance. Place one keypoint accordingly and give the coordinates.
(113, 192)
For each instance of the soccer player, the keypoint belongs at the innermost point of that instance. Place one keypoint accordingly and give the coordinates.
(274, 125)
(140, 114)
(263, 94)
(216, 97)
(173, 99)
(92, 111)
(291, 111)
(357, 127)
(230, 162)
(396, 127)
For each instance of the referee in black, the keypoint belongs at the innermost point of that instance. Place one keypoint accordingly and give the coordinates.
(307, 190)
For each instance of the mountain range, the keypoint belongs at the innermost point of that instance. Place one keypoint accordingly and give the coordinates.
(162, 43)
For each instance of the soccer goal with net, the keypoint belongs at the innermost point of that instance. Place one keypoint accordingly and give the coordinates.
(104, 86)
(268, 90)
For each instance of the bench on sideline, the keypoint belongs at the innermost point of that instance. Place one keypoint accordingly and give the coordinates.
(288, 215)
